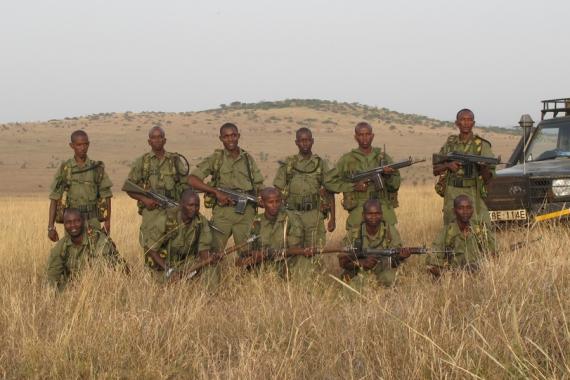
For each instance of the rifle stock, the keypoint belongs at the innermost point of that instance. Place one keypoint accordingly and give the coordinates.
(163, 201)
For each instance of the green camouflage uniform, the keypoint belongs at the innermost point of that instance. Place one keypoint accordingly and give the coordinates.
(83, 188)
(179, 244)
(165, 176)
(467, 250)
(459, 183)
(338, 180)
(241, 174)
(66, 259)
(301, 180)
(384, 272)
(285, 231)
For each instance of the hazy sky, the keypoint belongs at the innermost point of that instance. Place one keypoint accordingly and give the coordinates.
(67, 58)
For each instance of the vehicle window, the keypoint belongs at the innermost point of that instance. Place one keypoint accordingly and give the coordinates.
(549, 143)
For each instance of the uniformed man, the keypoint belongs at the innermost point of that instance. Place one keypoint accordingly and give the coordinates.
(277, 230)
(456, 179)
(301, 181)
(365, 157)
(83, 184)
(231, 168)
(184, 239)
(79, 247)
(372, 233)
(162, 172)
(463, 242)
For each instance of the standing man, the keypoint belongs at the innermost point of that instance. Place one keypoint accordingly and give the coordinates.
(79, 247)
(372, 233)
(82, 184)
(162, 172)
(230, 168)
(185, 238)
(471, 179)
(463, 242)
(365, 157)
(301, 181)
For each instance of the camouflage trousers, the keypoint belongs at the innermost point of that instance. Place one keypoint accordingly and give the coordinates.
(313, 225)
(230, 223)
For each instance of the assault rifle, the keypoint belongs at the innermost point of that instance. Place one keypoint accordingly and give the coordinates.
(239, 198)
(193, 270)
(163, 200)
(258, 256)
(375, 175)
(465, 159)
(386, 252)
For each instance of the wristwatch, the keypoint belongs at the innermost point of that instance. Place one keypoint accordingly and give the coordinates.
(52, 228)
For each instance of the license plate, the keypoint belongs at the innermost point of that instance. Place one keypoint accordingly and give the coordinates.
(497, 216)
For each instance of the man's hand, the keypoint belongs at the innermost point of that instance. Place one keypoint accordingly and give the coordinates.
(331, 225)
(52, 234)
(453, 166)
(107, 227)
(150, 203)
(361, 186)
(388, 170)
(368, 262)
(485, 172)
(223, 199)
(404, 253)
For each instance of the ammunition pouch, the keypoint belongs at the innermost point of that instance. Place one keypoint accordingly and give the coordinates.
(462, 182)
(351, 200)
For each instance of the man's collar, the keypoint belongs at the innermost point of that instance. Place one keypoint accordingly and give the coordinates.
(69, 242)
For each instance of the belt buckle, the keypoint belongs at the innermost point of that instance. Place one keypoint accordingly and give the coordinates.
(307, 204)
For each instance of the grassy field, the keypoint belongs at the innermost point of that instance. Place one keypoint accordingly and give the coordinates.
(510, 321)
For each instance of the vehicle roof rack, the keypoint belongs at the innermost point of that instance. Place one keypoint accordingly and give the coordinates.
(555, 106)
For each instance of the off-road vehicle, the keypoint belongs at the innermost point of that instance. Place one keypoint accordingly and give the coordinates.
(535, 185)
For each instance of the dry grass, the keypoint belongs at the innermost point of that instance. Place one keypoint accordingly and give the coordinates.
(510, 321)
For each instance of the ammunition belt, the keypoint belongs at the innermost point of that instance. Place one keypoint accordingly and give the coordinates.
(303, 203)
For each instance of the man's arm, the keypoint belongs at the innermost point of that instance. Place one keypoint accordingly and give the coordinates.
(52, 232)
(55, 267)
(331, 225)
(107, 222)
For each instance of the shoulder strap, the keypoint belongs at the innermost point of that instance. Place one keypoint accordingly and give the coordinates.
(145, 170)
(218, 160)
(249, 171)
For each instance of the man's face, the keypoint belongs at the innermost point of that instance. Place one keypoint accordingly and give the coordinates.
(80, 146)
(272, 204)
(190, 207)
(463, 211)
(364, 137)
(73, 224)
(156, 140)
(372, 216)
(304, 142)
(465, 122)
(230, 138)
